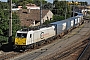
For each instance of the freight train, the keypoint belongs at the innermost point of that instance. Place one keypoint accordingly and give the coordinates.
(28, 37)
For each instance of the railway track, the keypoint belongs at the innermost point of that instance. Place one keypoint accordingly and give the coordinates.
(85, 55)
(71, 49)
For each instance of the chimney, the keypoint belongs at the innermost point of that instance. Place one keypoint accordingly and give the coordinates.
(29, 10)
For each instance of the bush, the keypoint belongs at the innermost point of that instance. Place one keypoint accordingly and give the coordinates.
(58, 17)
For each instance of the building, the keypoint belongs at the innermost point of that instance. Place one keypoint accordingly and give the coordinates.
(88, 7)
(31, 17)
(32, 6)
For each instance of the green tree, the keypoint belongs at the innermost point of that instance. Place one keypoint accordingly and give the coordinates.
(58, 18)
(61, 8)
(55, 18)
(83, 3)
(23, 3)
(38, 2)
(4, 22)
(15, 1)
(48, 6)
(3, 5)
(29, 1)
(15, 24)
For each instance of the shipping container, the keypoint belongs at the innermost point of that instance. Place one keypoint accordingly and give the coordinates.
(60, 26)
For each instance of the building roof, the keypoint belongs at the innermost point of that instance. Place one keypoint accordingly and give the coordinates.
(28, 16)
(33, 14)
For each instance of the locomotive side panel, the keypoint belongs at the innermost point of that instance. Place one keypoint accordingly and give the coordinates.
(43, 34)
(29, 37)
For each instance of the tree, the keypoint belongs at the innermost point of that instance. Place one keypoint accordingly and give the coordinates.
(15, 24)
(29, 1)
(15, 1)
(22, 3)
(48, 6)
(83, 3)
(61, 8)
(4, 22)
(55, 18)
(3, 5)
(58, 18)
(38, 2)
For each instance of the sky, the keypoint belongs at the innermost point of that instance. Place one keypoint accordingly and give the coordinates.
(4, 0)
(67, 0)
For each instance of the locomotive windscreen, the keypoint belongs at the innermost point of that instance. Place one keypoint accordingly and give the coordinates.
(21, 35)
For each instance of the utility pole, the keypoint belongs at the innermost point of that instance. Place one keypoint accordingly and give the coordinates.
(10, 23)
(41, 13)
(65, 9)
(73, 8)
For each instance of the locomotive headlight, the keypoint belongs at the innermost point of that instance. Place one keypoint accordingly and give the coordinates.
(24, 43)
(16, 43)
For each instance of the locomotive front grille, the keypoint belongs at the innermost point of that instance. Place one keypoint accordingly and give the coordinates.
(20, 41)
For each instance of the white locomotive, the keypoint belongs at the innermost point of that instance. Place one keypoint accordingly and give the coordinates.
(25, 37)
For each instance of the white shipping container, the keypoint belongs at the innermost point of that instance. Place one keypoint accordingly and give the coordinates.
(60, 26)
(64, 26)
(72, 23)
(68, 23)
(76, 21)
(79, 18)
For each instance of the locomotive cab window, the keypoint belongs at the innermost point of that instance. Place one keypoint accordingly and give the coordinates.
(22, 35)
(30, 35)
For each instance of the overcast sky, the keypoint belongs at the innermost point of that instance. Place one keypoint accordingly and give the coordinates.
(67, 0)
